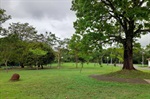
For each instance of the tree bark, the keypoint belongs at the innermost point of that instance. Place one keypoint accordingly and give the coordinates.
(81, 67)
(59, 59)
(21, 64)
(128, 54)
(6, 65)
(76, 58)
(42, 67)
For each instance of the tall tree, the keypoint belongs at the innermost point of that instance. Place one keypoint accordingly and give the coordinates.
(116, 20)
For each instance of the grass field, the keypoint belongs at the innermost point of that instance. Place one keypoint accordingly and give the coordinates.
(69, 83)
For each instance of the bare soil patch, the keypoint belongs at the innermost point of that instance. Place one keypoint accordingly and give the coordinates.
(122, 80)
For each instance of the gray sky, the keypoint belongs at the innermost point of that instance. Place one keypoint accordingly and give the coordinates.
(47, 15)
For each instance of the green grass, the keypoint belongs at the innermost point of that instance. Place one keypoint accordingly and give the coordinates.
(69, 82)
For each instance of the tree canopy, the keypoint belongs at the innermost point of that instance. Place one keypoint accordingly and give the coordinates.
(119, 21)
(3, 17)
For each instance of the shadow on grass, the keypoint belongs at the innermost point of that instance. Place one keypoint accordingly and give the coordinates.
(125, 76)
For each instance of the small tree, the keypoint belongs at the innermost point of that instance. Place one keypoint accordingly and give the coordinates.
(37, 52)
(74, 45)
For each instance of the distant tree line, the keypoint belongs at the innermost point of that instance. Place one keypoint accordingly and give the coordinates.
(21, 45)
(81, 48)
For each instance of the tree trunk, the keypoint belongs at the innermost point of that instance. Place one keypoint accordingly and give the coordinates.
(76, 57)
(128, 54)
(21, 64)
(59, 64)
(81, 67)
(6, 66)
(100, 61)
(59, 59)
(42, 67)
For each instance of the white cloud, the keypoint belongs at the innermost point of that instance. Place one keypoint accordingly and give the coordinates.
(62, 28)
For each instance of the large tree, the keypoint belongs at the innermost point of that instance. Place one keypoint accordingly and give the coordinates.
(119, 21)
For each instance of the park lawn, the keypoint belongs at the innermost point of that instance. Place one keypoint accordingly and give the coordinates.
(68, 82)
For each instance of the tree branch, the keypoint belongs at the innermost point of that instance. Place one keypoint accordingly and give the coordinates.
(117, 38)
(109, 4)
(141, 30)
(145, 30)
(140, 3)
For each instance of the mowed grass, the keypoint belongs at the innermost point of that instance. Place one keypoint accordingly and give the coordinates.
(68, 83)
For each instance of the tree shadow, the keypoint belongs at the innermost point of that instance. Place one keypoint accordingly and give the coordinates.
(125, 76)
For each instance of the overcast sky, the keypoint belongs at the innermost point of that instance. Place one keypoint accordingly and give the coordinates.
(46, 15)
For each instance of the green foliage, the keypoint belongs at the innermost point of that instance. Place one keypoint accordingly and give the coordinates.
(51, 38)
(7, 48)
(137, 53)
(106, 18)
(38, 51)
(3, 18)
(22, 45)
(24, 31)
(147, 51)
(108, 21)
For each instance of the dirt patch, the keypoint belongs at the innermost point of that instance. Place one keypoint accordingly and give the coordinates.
(122, 80)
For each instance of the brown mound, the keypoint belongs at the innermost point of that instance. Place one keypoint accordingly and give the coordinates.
(15, 77)
(122, 80)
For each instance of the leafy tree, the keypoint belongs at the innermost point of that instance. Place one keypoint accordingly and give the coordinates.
(66, 55)
(51, 39)
(98, 55)
(74, 45)
(7, 48)
(21, 52)
(3, 18)
(61, 45)
(57, 44)
(116, 20)
(92, 44)
(39, 54)
(24, 31)
(80, 50)
(137, 53)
